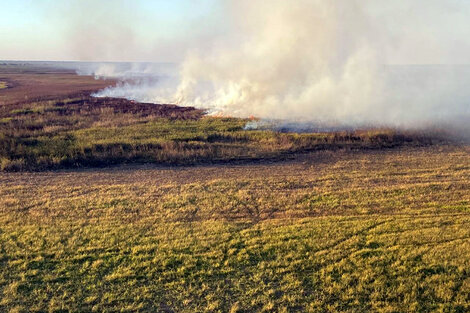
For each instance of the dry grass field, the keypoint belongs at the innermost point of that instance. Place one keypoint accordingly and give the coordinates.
(351, 231)
(72, 129)
(107, 205)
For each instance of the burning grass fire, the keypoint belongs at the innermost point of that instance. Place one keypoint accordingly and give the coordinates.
(268, 156)
(78, 130)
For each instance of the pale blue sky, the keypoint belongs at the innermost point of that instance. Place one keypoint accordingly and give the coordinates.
(105, 30)
(418, 31)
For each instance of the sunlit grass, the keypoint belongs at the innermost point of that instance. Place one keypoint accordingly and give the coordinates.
(81, 133)
(331, 232)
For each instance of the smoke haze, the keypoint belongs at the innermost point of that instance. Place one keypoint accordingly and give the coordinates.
(323, 62)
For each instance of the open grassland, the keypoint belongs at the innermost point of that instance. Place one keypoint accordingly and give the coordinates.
(85, 131)
(345, 231)
(262, 221)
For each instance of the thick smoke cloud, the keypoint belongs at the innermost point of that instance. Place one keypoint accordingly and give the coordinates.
(325, 62)
(304, 60)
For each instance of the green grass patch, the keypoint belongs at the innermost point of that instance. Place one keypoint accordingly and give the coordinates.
(5, 120)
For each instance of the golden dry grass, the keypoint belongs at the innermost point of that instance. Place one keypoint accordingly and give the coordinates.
(357, 231)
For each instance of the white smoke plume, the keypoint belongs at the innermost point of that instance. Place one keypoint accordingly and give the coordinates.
(320, 61)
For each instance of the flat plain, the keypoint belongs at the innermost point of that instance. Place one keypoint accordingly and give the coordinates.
(23, 82)
(346, 224)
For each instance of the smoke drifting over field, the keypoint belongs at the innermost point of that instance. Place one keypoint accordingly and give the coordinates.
(318, 61)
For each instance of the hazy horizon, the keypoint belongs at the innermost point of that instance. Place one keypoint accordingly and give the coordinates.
(421, 32)
(316, 61)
